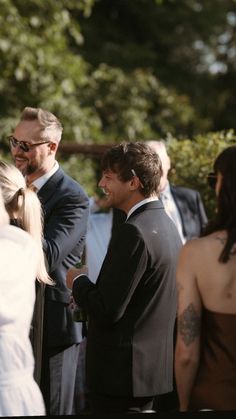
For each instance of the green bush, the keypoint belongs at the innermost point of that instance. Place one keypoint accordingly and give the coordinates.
(192, 160)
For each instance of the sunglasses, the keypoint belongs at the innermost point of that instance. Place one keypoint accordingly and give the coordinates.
(24, 145)
(211, 179)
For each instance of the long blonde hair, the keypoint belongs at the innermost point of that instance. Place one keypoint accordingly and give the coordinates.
(4, 217)
(23, 204)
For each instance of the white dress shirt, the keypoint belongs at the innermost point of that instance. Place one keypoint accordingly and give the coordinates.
(172, 210)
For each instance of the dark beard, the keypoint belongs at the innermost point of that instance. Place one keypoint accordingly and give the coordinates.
(28, 170)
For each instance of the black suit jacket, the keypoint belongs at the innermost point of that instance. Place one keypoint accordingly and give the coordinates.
(132, 307)
(191, 209)
(66, 208)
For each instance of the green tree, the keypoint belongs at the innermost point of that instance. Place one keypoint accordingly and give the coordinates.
(37, 66)
(120, 70)
(189, 45)
(192, 160)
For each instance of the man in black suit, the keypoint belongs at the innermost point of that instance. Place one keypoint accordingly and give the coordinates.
(66, 206)
(184, 205)
(132, 306)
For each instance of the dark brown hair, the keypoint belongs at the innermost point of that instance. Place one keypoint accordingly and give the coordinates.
(225, 218)
(135, 158)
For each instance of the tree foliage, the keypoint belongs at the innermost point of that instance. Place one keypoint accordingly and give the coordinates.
(189, 45)
(123, 70)
(120, 68)
(192, 159)
(37, 66)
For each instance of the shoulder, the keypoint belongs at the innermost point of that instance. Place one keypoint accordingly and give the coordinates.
(11, 236)
(128, 232)
(128, 227)
(68, 180)
(15, 234)
(184, 191)
(67, 186)
(192, 249)
(198, 249)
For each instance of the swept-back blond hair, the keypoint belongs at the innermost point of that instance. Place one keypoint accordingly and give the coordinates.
(51, 127)
(23, 204)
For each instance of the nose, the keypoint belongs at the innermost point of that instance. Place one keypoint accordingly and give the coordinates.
(101, 183)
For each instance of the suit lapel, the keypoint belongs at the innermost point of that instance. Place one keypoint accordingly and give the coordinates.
(50, 187)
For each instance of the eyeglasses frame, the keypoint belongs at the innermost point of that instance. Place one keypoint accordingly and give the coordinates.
(24, 145)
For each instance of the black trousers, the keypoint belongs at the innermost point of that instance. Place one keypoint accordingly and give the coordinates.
(115, 404)
(58, 382)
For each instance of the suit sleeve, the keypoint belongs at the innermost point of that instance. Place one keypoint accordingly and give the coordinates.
(66, 228)
(121, 272)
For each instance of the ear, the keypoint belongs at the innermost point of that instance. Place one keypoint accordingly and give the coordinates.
(135, 183)
(53, 146)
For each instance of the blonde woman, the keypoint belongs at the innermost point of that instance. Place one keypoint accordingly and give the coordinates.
(19, 393)
(24, 209)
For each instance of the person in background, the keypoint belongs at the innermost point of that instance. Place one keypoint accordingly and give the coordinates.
(183, 205)
(19, 393)
(34, 144)
(205, 356)
(24, 210)
(103, 222)
(130, 332)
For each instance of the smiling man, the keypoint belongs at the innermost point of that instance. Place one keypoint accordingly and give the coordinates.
(34, 144)
(132, 306)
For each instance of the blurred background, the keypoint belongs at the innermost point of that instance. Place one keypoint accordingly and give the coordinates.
(114, 70)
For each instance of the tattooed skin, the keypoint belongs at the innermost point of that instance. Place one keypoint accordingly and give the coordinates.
(221, 239)
(189, 325)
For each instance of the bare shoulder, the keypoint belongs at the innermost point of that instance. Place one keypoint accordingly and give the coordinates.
(193, 247)
(203, 245)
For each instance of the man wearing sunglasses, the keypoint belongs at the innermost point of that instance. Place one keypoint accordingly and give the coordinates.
(34, 144)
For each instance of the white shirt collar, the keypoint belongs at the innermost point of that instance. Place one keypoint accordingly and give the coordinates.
(43, 179)
(140, 203)
(167, 191)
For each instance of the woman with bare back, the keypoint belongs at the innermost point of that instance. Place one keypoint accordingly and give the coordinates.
(205, 354)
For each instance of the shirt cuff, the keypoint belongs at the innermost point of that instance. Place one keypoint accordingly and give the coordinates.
(76, 277)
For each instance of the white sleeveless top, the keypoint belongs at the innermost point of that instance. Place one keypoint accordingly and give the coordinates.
(19, 393)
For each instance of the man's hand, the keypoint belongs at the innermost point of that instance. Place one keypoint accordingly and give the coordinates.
(73, 273)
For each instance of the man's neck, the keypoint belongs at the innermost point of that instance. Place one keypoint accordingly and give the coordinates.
(133, 200)
(142, 202)
(30, 178)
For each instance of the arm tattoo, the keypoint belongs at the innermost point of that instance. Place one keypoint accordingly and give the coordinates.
(189, 325)
(221, 239)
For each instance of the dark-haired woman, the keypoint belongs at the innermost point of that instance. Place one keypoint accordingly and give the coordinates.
(205, 355)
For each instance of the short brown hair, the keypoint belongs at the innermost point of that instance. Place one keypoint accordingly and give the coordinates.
(135, 158)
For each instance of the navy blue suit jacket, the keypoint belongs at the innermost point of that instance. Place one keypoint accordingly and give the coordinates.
(132, 307)
(66, 208)
(191, 209)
